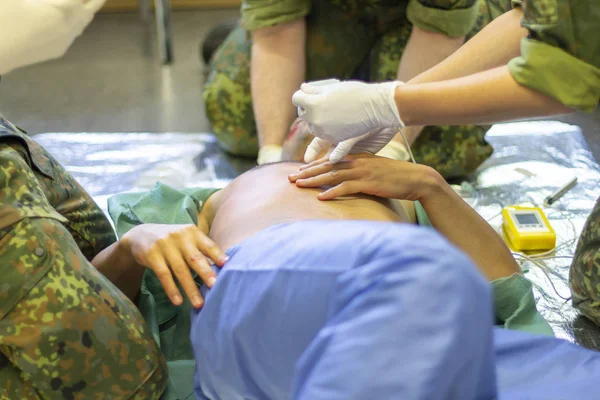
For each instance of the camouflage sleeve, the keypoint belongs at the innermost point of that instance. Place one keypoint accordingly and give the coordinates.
(61, 321)
(584, 277)
(451, 17)
(560, 57)
(258, 14)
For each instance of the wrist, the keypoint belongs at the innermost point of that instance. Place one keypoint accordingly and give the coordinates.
(124, 245)
(272, 135)
(401, 93)
(270, 153)
(431, 185)
(391, 117)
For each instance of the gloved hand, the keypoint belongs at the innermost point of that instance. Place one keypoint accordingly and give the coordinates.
(340, 111)
(269, 154)
(32, 31)
(370, 142)
(378, 141)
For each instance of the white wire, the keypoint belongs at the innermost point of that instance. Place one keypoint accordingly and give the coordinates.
(554, 258)
(533, 258)
(407, 146)
(554, 250)
(544, 269)
(541, 258)
(495, 215)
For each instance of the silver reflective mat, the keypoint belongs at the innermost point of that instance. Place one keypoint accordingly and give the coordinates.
(531, 161)
(110, 163)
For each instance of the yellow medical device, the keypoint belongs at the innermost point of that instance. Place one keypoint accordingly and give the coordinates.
(527, 228)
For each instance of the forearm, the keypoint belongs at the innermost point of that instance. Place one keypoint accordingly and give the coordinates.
(485, 97)
(463, 227)
(494, 46)
(277, 69)
(117, 264)
(415, 61)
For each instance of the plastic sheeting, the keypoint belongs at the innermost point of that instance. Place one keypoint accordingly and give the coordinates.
(109, 163)
(531, 161)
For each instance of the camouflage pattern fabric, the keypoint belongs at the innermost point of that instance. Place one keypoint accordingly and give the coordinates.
(566, 33)
(584, 276)
(66, 332)
(341, 39)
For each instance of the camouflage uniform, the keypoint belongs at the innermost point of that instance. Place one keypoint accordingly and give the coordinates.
(362, 39)
(566, 32)
(66, 332)
(585, 270)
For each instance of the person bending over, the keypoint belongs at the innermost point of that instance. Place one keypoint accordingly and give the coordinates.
(306, 283)
(264, 197)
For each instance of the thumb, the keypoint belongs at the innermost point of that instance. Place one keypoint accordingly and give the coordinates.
(344, 148)
(317, 87)
(301, 99)
(309, 88)
(314, 148)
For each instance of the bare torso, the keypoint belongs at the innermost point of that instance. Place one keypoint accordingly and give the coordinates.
(264, 197)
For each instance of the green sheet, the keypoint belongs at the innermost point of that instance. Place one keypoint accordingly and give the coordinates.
(170, 325)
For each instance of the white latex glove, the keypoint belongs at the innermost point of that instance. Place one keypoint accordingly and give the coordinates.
(344, 110)
(32, 31)
(371, 142)
(269, 154)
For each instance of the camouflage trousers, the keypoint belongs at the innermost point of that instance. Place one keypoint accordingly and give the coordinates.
(584, 276)
(345, 42)
(66, 332)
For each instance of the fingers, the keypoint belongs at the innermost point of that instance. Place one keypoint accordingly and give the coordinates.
(330, 178)
(210, 249)
(343, 148)
(316, 87)
(323, 165)
(181, 270)
(316, 162)
(159, 265)
(343, 189)
(196, 257)
(198, 262)
(320, 169)
(304, 97)
(313, 169)
(302, 100)
(314, 148)
(310, 88)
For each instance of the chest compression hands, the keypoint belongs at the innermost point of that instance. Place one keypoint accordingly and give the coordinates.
(378, 141)
(33, 31)
(348, 111)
